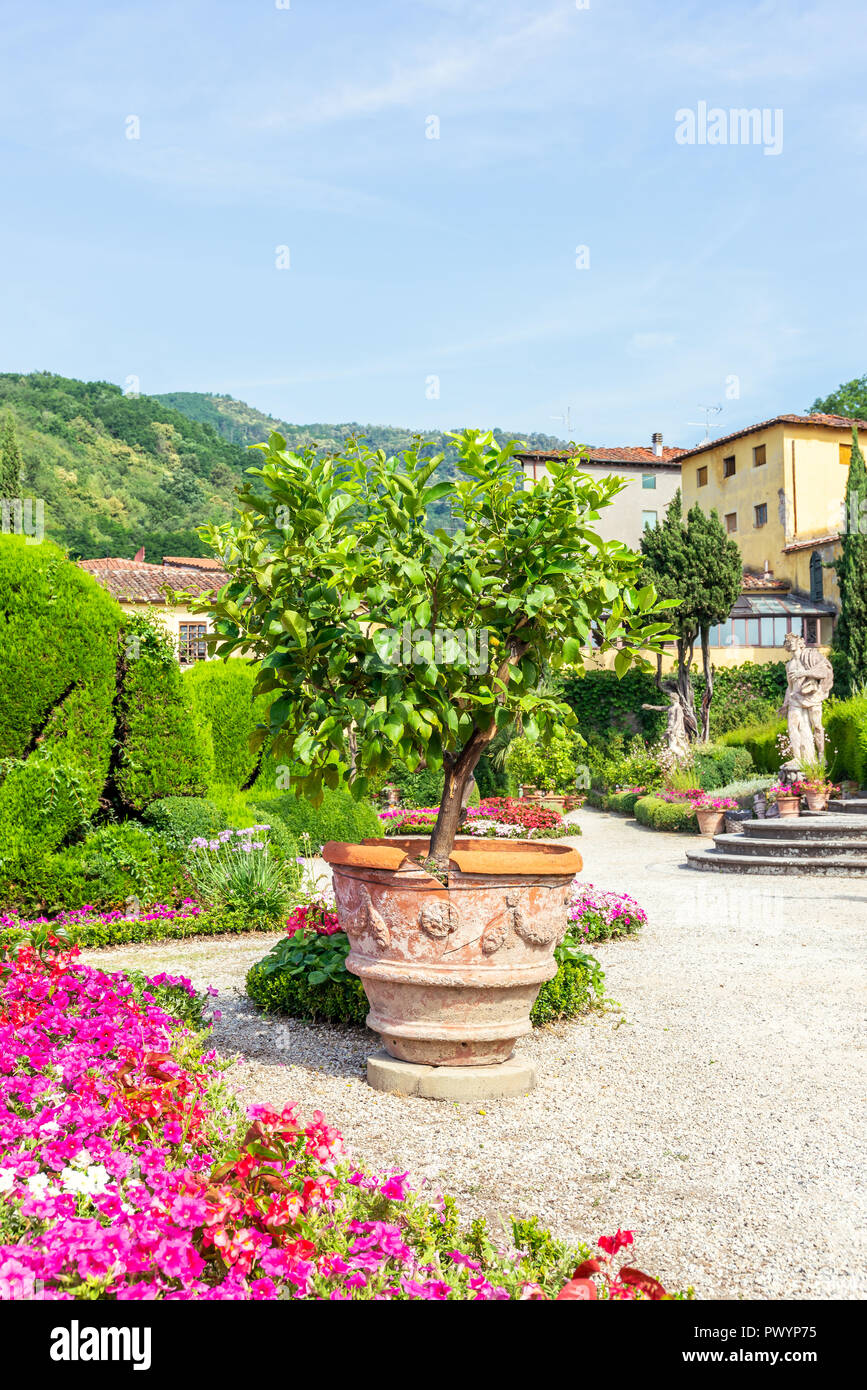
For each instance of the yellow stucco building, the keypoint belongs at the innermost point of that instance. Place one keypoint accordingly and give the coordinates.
(140, 587)
(779, 488)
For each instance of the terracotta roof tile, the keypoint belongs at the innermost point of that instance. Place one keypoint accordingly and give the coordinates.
(627, 453)
(763, 581)
(136, 581)
(824, 421)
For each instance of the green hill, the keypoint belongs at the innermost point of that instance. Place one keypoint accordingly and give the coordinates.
(119, 472)
(243, 424)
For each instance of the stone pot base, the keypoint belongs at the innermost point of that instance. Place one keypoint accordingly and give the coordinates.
(498, 1082)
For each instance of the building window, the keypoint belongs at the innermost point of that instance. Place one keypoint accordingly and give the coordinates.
(759, 456)
(817, 584)
(731, 521)
(702, 476)
(845, 454)
(648, 480)
(191, 643)
(811, 631)
(729, 466)
(762, 514)
(648, 519)
(763, 631)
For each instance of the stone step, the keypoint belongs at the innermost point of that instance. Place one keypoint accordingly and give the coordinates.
(815, 825)
(852, 806)
(715, 862)
(776, 847)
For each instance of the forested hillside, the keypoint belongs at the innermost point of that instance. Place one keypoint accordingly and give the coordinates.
(119, 472)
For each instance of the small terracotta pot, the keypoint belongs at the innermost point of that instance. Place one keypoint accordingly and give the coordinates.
(452, 971)
(789, 805)
(710, 821)
(817, 801)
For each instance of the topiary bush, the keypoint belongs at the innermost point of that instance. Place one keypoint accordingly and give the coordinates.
(221, 696)
(339, 817)
(164, 749)
(113, 864)
(58, 652)
(656, 814)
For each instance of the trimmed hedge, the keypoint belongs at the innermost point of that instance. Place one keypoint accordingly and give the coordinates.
(339, 817)
(657, 814)
(760, 740)
(213, 922)
(165, 750)
(221, 696)
(623, 803)
(112, 865)
(846, 739)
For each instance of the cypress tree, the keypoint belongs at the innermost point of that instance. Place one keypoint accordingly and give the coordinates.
(850, 634)
(10, 461)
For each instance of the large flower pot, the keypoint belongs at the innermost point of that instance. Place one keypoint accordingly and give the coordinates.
(452, 972)
(710, 821)
(789, 805)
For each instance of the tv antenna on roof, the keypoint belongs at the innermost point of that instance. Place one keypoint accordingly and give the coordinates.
(567, 420)
(709, 410)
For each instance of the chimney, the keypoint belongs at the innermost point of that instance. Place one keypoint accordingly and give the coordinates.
(657, 444)
(769, 573)
(139, 555)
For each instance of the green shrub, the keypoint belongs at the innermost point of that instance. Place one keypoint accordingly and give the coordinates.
(58, 653)
(846, 735)
(760, 740)
(339, 817)
(621, 802)
(578, 986)
(490, 780)
(180, 819)
(213, 922)
(744, 791)
(743, 695)
(305, 976)
(42, 801)
(657, 814)
(221, 696)
(717, 764)
(614, 762)
(111, 865)
(165, 751)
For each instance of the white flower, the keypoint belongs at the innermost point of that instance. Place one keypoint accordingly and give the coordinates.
(37, 1186)
(7, 1180)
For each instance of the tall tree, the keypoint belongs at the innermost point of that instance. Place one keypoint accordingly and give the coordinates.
(850, 399)
(694, 562)
(10, 460)
(850, 634)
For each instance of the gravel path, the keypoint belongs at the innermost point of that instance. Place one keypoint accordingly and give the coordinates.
(717, 1112)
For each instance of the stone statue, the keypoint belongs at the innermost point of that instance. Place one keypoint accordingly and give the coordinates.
(810, 677)
(676, 736)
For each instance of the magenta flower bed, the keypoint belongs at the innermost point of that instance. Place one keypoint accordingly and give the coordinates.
(597, 915)
(127, 1173)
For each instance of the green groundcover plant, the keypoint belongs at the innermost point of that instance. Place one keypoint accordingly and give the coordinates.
(334, 575)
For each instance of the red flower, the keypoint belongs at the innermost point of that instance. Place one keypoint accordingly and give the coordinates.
(611, 1244)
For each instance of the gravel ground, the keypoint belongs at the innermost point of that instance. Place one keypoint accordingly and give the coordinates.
(717, 1111)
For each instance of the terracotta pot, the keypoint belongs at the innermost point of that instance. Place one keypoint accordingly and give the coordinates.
(817, 801)
(789, 805)
(710, 822)
(452, 972)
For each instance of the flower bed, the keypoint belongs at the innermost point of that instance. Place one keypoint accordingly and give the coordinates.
(86, 926)
(128, 1172)
(600, 915)
(494, 818)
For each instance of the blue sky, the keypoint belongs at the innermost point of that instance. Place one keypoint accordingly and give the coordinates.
(454, 258)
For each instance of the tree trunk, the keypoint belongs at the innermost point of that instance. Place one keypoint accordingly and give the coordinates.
(707, 695)
(684, 686)
(458, 772)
